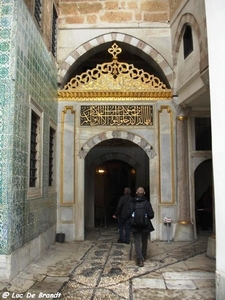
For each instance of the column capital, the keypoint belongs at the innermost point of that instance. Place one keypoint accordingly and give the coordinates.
(182, 118)
(184, 222)
(183, 112)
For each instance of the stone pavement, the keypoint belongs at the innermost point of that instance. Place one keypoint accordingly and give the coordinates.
(100, 268)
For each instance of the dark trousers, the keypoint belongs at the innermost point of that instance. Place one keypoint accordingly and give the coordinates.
(141, 243)
(124, 230)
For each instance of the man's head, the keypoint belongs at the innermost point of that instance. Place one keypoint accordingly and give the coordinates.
(127, 190)
(140, 191)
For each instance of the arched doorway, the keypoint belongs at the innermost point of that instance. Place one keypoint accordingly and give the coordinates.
(111, 166)
(203, 196)
(112, 102)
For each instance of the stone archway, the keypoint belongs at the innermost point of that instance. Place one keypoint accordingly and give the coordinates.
(136, 139)
(120, 37)
(86, 148)
(113, 156)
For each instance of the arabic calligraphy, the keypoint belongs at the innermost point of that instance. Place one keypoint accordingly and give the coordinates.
(116, 115)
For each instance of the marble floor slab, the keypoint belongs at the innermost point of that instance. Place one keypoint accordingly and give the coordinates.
(180, 284)
(188, 275)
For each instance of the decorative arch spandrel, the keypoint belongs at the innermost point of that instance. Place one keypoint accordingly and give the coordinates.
(113, 81)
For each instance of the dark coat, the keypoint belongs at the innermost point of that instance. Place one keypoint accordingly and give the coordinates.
(149, 211)
(122, 209)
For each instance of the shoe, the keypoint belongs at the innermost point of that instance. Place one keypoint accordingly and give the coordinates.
(140, 263)
(127, 243)
(120, 241)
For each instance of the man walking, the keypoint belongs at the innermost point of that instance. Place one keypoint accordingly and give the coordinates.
(122, 213)
(141, 225)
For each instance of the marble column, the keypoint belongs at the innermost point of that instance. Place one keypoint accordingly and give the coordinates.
(184, 229)
(79, 195)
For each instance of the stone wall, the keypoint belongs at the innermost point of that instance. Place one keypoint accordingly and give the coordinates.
(101, 13)
(174, 5)
(193, 13)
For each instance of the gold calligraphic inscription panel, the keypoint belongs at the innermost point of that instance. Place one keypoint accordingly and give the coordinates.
(116, 115)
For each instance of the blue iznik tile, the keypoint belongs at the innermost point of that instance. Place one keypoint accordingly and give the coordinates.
(26, 70)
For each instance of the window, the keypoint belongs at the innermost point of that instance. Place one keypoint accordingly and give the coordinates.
(187, 41)
(52, 158)
(203, 134)
(35, 150)
(54, 31)
(38, 11)
(45, 16)
(52, 144)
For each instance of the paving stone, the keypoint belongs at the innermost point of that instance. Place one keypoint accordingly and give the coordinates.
(3, 285)
(203, 261)
(189, 275)
(141, 283)
(20, 285)
(204, 284)
(149, 294)
(121, 289)
(180, 284)
(49, 285)
(177, 267)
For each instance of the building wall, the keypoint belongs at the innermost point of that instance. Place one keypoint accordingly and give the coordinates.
(192, 80)
(174, 6)
(215, 21)
(46, 18)
(103, 13)
(27, 70)
(91, 23)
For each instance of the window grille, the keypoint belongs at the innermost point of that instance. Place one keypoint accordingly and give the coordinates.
(54, 31)
(33, 149)
(188, 41)
(51, 156)
(37, 11)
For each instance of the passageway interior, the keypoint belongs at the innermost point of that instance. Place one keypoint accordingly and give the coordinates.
(114, 165)
(110, 180)
(204, 207)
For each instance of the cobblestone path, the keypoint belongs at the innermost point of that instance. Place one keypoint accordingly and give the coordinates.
(107, 269)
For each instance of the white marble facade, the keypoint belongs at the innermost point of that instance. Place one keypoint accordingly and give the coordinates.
(76, 142)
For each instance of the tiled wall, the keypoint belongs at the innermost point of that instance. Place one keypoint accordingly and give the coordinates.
(26, 69)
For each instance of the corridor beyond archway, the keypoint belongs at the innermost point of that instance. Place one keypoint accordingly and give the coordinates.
(111, 166)
(110, 180)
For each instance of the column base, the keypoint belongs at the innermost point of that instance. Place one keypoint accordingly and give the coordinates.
(184, 232)
(220, 286)
(211, 247)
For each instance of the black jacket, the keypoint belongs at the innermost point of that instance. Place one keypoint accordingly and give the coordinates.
(149, 211)
(122, 209)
